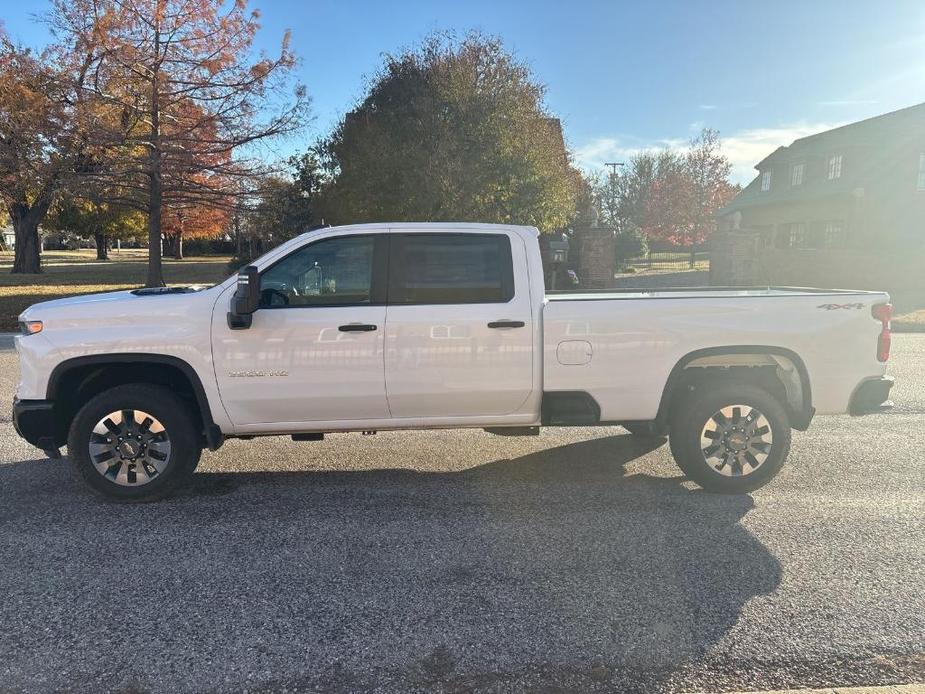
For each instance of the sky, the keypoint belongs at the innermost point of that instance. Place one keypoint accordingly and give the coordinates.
(624, 76)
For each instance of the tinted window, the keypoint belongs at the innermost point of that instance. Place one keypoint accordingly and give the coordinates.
(450, 269)
(329, 272)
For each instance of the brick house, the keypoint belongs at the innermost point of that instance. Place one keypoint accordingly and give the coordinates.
(860, 186)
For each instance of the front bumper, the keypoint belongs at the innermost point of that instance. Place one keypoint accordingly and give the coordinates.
(34, 420)
(871, 395)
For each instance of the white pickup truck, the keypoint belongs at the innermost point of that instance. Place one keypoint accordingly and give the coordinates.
(412, 326)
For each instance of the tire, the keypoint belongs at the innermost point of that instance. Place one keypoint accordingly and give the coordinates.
(158, 457)
(716, 438)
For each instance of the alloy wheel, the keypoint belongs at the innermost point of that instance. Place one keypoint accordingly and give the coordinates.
(736, 440)
(129, 447)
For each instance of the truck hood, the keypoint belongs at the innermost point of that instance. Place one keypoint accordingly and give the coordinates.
(79, 300)
(109, 306)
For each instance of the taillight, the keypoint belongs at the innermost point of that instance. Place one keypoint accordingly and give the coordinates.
(883, 313)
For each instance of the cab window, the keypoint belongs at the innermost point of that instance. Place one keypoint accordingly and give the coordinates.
(331, 272)
(450, 268)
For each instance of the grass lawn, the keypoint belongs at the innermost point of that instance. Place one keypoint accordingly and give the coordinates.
(68, 273)
(908, 311)
(913, 322)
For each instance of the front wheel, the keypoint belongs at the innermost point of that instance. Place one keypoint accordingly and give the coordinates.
(134, 442)
(732, 438)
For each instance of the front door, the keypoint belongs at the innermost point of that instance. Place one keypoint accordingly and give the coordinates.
(459, 332)
(314, 351)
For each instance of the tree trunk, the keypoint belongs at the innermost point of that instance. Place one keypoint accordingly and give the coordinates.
(27, 255)
(693, 254)
(178, 246)
(236, 225)
(155, 184)
(102, 246)
(155, 268)
(27, 259)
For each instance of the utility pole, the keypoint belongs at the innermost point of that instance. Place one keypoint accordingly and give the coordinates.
(611, 180)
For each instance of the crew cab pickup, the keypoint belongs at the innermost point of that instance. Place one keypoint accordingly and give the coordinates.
(412, 326)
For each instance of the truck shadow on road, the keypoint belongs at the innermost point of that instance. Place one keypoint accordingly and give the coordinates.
(557, 568)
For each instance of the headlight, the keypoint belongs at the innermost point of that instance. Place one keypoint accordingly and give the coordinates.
(30, 327)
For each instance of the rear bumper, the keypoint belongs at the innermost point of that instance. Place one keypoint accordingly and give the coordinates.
(34, 420)
(872, 395)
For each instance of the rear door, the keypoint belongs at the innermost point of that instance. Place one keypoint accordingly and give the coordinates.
(459, 326)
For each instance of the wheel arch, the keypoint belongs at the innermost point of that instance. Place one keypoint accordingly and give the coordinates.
(789, 371)
(74, 381)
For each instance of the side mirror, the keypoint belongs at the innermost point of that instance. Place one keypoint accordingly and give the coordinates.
(246, 299)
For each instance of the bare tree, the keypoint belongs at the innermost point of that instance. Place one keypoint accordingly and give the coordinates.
(185, 101)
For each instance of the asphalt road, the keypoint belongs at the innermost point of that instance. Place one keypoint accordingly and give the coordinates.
(574, 561)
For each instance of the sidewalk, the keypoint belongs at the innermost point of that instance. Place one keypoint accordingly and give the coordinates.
(6, 340)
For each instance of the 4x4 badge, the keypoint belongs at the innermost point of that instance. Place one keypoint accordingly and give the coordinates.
(834, 307)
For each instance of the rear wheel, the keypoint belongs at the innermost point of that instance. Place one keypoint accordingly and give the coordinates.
(134, 442)
(731, 439)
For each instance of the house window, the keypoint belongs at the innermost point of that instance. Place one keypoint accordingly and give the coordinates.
(835, 167)
(796, 175)
(765, 181)
(798, 235)
(834, 235)
(921, 185)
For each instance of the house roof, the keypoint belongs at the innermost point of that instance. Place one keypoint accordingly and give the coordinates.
(887, 128)
(883, 124)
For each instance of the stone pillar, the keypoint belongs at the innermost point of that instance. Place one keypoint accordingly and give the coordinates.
(596, 257)
(734, 258)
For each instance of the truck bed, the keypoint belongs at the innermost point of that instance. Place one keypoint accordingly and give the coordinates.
(621, 345)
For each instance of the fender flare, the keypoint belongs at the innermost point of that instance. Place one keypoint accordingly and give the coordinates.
(211, 431)
(801, 418)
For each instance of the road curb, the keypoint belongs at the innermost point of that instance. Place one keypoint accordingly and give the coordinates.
(888, 689)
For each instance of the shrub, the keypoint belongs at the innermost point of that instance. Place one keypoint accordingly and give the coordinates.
(630, 243)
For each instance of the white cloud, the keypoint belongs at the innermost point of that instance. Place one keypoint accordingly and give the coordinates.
(593, 155)
(744, 148)
(708, 107)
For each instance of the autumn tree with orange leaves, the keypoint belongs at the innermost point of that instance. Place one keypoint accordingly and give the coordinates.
(671, 195)
(186, 103)
(690, 188)
(180, 223)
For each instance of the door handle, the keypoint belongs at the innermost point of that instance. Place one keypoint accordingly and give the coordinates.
(506, 324)
(357, 328)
